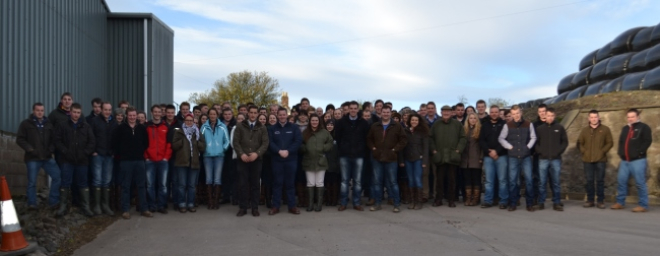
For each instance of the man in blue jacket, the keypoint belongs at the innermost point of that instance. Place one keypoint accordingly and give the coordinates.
(285, 139)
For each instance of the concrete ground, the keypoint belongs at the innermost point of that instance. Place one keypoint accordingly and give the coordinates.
(430, 231)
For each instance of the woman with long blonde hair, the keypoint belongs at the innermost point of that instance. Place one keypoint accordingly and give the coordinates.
(472, 160)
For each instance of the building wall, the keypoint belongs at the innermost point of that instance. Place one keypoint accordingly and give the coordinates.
(47, 48)
(13, 167)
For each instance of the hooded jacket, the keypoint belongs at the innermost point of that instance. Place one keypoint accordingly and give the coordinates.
(314, 150)
(217, 140)
(59, 115)
(182, 147)
(103, 129)
(36, 139)
(75, 142)
(159, 146)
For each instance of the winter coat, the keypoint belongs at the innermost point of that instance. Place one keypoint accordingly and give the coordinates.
(518, 137)
(386, 143)
(417, 148)
(633, 143)
(159, 147)
(217, 140)
(59, 115)
(75, 144)
(551, 141)
(103, 130)
(248, 140)
(181, 147)
(351, 137)
(448, 141)
(315, 149)
(472, 156)
(130, 142)
(594, 143)
(37, 142)
(287, 137)
(488, 137)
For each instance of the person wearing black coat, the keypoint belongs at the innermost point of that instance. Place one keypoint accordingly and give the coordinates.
(103, 125)
(351, 137)
(75, 142)
(495, 161)
(551, 144)
(35, 137)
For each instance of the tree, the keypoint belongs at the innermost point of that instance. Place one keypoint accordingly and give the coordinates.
(502, 103)
(240, 88)
(463, 99)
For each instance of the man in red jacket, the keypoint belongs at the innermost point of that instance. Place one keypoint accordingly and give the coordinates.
(157, 156)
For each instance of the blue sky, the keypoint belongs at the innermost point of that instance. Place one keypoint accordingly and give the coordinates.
(406, 52)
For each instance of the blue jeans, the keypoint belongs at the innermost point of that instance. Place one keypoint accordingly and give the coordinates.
(351, 168)
(284, 174)
(636, 168)
(213, 169)
(157, 184)
(101, 171)
(414, 171)
(386, 171)
(133, 171)
(493, 168)
(80, 173)
(516, 165)
(50, 167)
(550, 167)
(595, 171)
(186, 186)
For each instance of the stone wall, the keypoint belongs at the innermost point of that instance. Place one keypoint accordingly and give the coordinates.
(572, 175)
(13, 167)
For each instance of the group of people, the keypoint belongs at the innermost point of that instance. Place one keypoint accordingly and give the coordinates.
(307, 157)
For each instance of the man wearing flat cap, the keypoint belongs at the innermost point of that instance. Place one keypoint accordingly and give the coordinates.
(447, 141)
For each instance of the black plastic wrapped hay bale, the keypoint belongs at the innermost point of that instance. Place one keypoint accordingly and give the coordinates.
(642, 39)
(633, 81)
(577, 93)
(598, 71)
(655, 35)
(623, 42)
(589, 60)
(652, 80)
(603, 53)
(653, 57)
(638, 62)
(581, 78)
(559, 98)
(612, 86)
(565, 84)
(618, 65)
(595, 88)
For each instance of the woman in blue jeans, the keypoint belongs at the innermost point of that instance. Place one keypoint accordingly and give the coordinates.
(415, 157)
(216, 135)
(187, 144)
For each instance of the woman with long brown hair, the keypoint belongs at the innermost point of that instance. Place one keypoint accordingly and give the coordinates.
(416, 157)
(472, 160)
(316, 143)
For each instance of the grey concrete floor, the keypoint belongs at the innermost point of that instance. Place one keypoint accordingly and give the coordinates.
(430, 231)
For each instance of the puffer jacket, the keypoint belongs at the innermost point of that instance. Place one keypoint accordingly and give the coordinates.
(36, 139)
(217, 140)
(314, 151)
(159, 147)
(75, 144)
(181, 146)
(417, 148)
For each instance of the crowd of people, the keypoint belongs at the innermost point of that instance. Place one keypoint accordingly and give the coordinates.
(309, 157)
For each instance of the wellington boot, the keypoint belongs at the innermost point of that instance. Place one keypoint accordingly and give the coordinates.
(105, 199)
(319, 199)
(310, 199)
(96, 204)
(84, 202)
(65, 194)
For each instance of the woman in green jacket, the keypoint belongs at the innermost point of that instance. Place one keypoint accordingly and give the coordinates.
(187, 145)
(317, 141)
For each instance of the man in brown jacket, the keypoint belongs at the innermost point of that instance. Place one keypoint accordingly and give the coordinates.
(250, 142)
(594, 142)
(386, 139)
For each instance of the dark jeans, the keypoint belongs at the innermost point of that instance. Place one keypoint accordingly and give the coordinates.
(248, 183)
(351, 168)
(229, 179)
(133, 171)
(157, 184)
(445, 172)
(284, 174)
(51, 168)
(187, 184)
(595, 171)
(80, 173)
(385, 173)
(472, 177)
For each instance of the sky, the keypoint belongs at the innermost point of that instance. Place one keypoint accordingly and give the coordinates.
(405, 52)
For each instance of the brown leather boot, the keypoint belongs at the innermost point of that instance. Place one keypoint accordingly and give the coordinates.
(216, 196)
(209, 193)
(467, 198)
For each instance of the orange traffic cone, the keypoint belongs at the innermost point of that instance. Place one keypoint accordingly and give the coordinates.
(12, 236)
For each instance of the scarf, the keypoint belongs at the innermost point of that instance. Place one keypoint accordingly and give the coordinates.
(189, 132)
